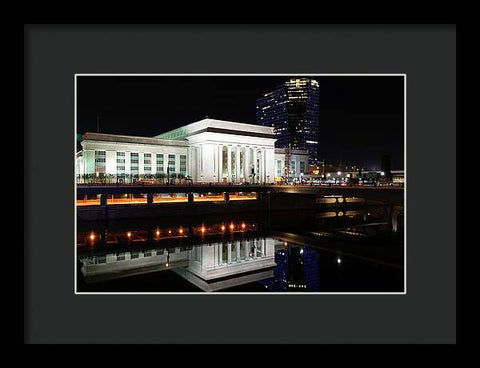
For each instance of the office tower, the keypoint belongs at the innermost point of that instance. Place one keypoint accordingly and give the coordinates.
(292, 109)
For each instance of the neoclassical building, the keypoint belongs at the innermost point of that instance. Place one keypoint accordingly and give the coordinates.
(208, 150)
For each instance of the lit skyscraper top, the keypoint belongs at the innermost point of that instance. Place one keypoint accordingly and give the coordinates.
(292, 109)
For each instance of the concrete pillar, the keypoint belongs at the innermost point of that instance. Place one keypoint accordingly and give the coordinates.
(255, 249)
(227, 197)
(103, 200)
(263, 247)
(229, 253)
(190, 197)
(247, 250)
(260, 198)
(389, 212)
(394, 221)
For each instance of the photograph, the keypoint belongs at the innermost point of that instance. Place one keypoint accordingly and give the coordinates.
(240, 184)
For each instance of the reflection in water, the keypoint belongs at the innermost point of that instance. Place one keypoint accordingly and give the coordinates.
(317, 254)
(213, 261)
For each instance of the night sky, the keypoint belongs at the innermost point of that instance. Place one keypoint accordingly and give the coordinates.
(361, 117)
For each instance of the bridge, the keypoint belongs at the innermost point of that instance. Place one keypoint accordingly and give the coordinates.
(386, 194)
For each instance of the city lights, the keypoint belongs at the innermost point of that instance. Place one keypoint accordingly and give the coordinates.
(271, 169)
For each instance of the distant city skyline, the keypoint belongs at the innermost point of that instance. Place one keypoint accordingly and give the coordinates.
(361, 117)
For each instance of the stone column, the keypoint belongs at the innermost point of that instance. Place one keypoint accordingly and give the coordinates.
(220, 254)
(247, 249)
(229, 162)
(263, 247)
(237, 164)
(237, 250)
(255, 164)
(220, 164)
(254, 249)
(229, 253)
(246, 164)
(263, 168)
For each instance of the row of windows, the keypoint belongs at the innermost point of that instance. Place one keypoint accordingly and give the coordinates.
(134, 157)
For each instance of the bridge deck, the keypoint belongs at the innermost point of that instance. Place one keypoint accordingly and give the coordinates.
(301, 189)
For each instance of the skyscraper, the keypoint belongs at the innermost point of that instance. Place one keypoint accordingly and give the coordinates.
(292, 109)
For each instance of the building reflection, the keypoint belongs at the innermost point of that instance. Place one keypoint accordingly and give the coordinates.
(297, 269)
(210, 267)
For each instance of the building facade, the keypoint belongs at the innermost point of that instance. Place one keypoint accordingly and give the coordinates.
(292, 109)
(210, 151)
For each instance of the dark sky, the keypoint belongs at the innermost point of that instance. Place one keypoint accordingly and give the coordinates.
(361, 117)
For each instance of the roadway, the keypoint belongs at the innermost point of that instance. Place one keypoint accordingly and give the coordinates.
(390, 194)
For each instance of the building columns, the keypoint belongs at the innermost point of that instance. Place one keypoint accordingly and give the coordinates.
(237, 164)
(220, 164)
(220, 254)
(255, 173)
(246, 164)
(238, 251)
(229, 163)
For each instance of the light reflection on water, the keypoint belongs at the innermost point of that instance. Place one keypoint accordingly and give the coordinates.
(233, 255)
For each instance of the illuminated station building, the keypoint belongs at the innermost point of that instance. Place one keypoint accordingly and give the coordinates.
(209, 150)
(292, 109)
(210, 267)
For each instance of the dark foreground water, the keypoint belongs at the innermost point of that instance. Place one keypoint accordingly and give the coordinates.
(322, 251)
